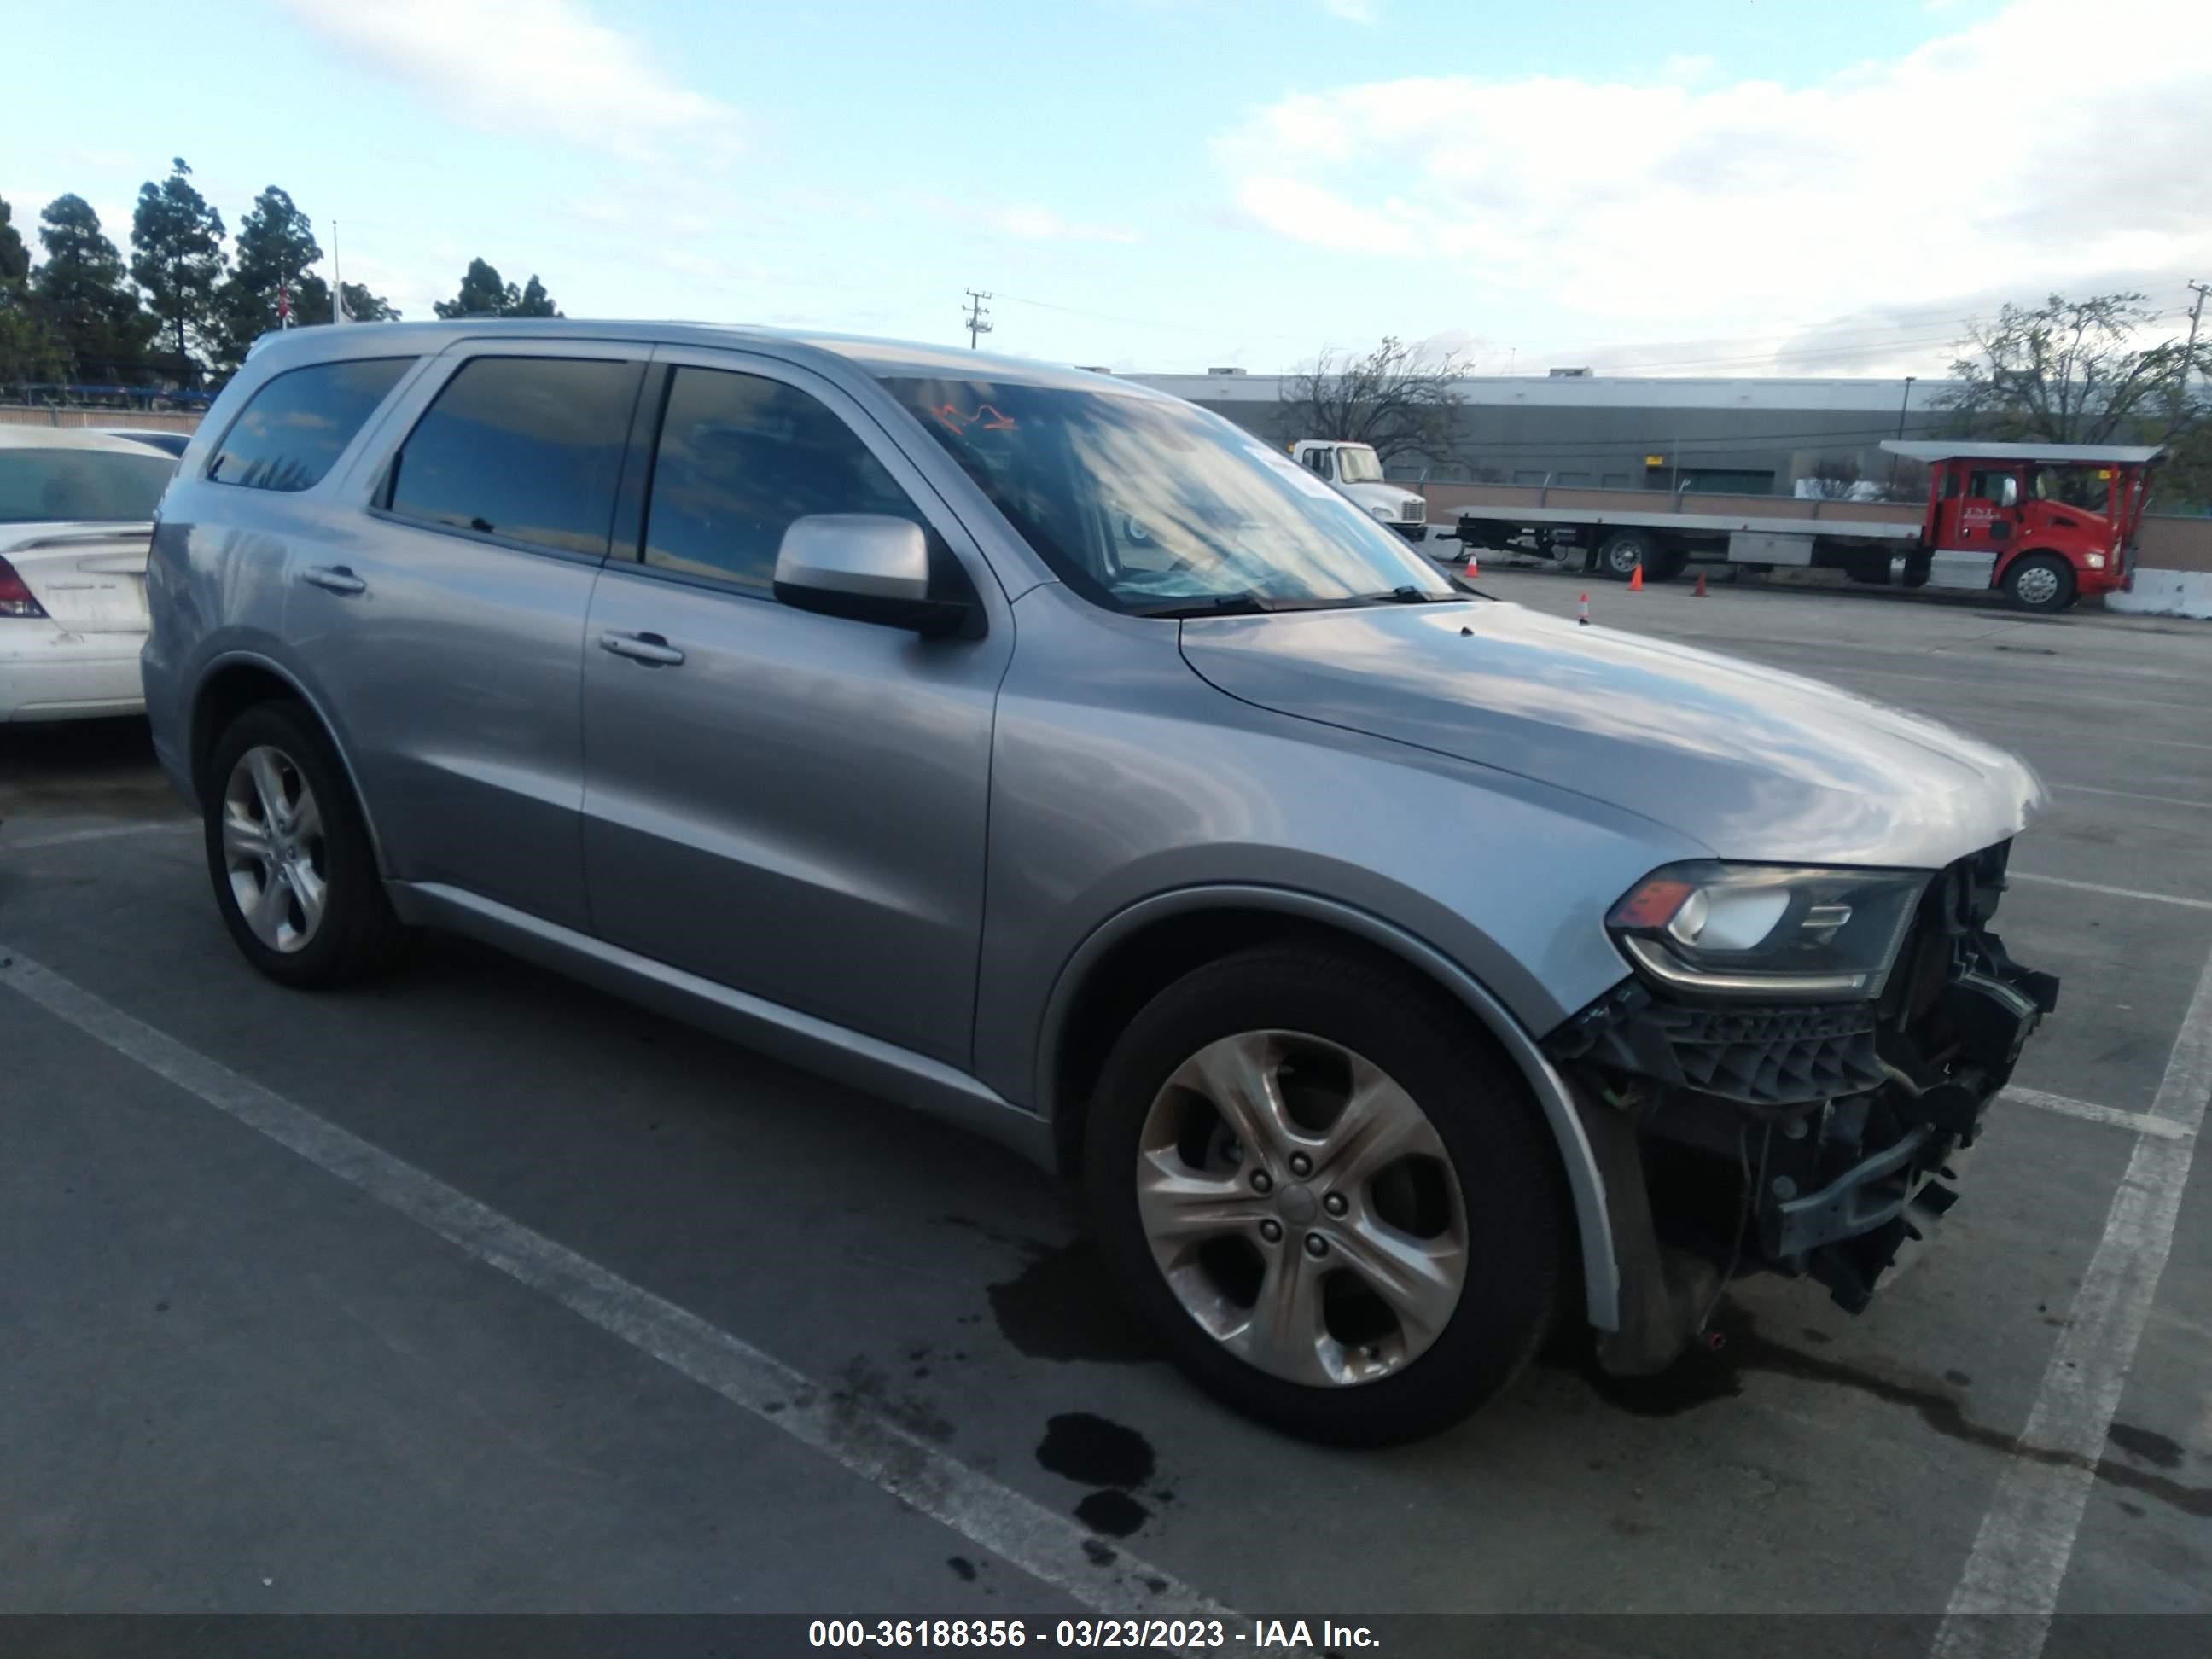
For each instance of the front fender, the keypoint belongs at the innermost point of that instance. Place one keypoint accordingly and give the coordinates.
(1585, 1181)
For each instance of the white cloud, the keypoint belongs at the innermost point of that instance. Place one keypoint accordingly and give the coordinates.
(535, 66)
(1038, 224)
(1659, 207)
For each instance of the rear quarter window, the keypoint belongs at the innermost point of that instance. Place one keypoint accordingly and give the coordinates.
(528, 449)
(297, 425)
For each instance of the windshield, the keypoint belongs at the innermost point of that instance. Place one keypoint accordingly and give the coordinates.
(103, 486)
(1355, 464)
(1148, 506)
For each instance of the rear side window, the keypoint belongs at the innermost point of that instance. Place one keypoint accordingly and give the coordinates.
(84, 485)
(525, 447)
(740, 457)
(291, 430)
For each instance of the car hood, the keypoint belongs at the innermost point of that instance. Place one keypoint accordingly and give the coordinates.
(1754, 763)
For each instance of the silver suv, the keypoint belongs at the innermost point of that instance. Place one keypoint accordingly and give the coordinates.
(1401, 973)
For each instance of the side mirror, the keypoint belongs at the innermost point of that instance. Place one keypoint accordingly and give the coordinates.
(867, 567)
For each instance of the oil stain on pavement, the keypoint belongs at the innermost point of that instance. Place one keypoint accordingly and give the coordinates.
(1062, 1307)
(1093, 1451)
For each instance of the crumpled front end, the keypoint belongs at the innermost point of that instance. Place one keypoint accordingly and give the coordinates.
(1812, 1139)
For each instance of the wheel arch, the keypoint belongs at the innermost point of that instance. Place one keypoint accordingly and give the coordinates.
(236, 681)
(1139, 952)
(2017, 555)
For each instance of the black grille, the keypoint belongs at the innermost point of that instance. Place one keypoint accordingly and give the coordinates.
(1761, 1056)
(1775, 1055)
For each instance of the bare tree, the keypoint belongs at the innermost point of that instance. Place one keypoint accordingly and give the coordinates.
(2071, 372)
(1397, 398)
(1832, 481)
(1907, 480)
(1845, 480)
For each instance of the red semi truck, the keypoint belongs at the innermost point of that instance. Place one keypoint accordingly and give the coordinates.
(2043, 523)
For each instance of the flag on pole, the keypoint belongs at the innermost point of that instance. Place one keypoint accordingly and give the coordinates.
(338, 306)
(284, 303)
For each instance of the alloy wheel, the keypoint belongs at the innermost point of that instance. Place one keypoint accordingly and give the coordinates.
(273, 850)
(1302, 1208)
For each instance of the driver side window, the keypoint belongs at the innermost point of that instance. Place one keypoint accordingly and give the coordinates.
(740, 457)
(2002, 488)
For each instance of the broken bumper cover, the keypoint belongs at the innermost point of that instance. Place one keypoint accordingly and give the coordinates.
(1809, 1139)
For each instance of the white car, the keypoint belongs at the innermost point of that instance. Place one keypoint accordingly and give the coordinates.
(161, 438)
(76, 512)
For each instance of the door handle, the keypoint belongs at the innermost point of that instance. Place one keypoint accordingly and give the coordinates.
(333, 579)
(642, 647)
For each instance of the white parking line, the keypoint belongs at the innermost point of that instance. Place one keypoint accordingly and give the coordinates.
(1050, 1547)
(2111, 892)
(2021, 1554)
(105, 832)
(2141, 1122)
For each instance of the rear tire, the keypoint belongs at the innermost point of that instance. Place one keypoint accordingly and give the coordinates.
(1619, 553)
(2041, 582)
(1459, 1176)
(289, 856)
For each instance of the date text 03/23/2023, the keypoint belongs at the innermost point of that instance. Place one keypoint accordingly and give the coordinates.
(1261, 1634)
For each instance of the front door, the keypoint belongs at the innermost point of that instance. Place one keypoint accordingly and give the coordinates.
(790, 804)
(1987, 513)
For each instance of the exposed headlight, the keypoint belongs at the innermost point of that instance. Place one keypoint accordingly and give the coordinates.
(1381, 513)
(1752, 930)
(2095, 561)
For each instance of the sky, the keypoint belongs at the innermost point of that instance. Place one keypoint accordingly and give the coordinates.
(1701, 187)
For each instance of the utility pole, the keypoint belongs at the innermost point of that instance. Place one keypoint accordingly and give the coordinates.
(979, 321)
(1901, 408)
(2188, 355)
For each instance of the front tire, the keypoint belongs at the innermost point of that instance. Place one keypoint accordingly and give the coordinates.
(2041, 582)
(1337, 1205)
(289, 856)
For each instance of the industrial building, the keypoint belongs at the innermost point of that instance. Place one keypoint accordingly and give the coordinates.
(1571, 427)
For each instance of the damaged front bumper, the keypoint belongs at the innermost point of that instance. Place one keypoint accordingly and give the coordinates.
(1812, 1141)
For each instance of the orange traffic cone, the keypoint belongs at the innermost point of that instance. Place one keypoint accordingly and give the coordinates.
(1473, 566)
(1700, 594)
(1584, 618)
(1636, 581)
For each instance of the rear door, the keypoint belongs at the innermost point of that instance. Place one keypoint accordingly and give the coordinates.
(75, 522)
(444, 627)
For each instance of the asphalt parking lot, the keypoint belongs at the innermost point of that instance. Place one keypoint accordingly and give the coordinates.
(256, 1365)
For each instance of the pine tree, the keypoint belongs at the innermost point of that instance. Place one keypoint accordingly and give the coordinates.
(176, 243)
(276, 244)
(84, 295)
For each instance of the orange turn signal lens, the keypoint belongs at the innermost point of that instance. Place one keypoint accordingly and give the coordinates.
(1651, 905)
